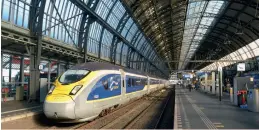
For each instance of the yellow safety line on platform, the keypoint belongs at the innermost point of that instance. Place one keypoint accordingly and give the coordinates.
(219, 126)
(16, 117)
(20, 110)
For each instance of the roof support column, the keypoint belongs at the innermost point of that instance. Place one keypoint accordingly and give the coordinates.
(113, 49)
(121, 53)
(21, 80)
(83, 34)
(35, 25)
(129, 52)
(116, 40)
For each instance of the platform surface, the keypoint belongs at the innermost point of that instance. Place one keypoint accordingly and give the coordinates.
(197, 110)
(12, 110)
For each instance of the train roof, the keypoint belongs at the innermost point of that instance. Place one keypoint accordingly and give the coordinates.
(94, 66)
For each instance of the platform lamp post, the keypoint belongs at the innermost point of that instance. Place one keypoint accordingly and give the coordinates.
(220, 81)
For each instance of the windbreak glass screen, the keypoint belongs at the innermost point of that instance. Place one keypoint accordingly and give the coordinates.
(71, 76)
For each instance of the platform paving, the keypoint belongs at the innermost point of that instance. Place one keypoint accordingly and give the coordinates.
(13, 110)
(197, 110)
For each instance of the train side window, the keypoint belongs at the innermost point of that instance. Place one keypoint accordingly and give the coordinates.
(128, 82)
(133, 82)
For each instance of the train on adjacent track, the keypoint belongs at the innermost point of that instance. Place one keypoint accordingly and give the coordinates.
(87, 90)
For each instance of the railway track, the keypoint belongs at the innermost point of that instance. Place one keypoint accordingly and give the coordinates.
(134, 113)
(120, 110)
(142, 115)
(143, 106)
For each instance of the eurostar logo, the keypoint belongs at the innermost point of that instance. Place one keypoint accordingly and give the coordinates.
(113, 85)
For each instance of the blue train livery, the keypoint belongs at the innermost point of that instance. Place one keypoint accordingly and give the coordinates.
(107, 86)
(134, 84)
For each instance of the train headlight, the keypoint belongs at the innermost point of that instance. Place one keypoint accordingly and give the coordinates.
(51, 89)
(75, 89)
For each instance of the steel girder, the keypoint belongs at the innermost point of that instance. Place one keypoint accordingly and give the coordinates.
(116, 40)
(220, 41)
(89, 11)
(246, 25)
(35, 25)
(220, 29)
(178, 16)
(83, 34)
(196, 29)
(137, 22)
(102, 32)
(85, 23)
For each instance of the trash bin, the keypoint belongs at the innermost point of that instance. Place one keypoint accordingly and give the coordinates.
(19, 92)
(253, 100)
(242, 98)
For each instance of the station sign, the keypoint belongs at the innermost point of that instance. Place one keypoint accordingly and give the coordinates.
(241, 67)
(219, 68)
(186, 76)
(41, 67)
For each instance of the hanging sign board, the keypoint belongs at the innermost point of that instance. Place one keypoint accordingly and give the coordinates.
(219, 68)
(41, 67)
(241, 67)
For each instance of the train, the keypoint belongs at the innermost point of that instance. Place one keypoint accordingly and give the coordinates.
(88, 90)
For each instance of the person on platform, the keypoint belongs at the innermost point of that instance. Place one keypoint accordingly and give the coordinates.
(190, 87)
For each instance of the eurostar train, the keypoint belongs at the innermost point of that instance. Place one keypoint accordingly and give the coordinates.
(87, 90)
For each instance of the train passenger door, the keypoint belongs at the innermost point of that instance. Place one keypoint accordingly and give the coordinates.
(123, 84)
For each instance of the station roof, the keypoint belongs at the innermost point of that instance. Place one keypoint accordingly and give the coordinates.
(198, 29)
(151, 32)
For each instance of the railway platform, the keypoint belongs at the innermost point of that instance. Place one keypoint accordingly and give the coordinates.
(151, 111)
(13, 110)
(197, 110)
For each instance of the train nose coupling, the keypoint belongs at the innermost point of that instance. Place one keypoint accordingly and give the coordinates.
(56, 115)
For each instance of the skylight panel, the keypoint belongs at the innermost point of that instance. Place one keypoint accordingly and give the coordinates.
(195, 13)
(242, 53)
(253, 45)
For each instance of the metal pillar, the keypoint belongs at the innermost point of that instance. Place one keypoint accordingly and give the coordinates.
(213, 82)
(10, 69)
(100, 44)
(58, 69)
(22, 72)
(33, 82)
(10, 72)
(122, 47)
(49, 73)
(116, 40)
(113, 50)
(220, 85)
(206, 82)
(35, 25)
(2, 78)
(101, 37)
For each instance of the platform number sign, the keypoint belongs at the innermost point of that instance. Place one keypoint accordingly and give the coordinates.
(41, 67)
(241, 67)
(219, 68)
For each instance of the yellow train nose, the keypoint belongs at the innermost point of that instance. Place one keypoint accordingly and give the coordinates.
(59, 107)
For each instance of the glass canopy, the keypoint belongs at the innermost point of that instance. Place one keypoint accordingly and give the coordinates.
(249, 51)
(200, 17)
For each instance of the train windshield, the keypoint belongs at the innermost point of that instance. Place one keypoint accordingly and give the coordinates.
(71, 76)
